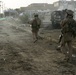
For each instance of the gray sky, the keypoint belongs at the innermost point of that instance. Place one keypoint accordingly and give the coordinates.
(23, 3)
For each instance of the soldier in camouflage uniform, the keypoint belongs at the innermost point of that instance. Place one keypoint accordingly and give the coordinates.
(35, 27)
(67, 35)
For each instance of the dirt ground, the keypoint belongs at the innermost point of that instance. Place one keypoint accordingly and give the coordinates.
(20, 56)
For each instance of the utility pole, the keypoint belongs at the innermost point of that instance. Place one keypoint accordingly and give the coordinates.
(1, 9)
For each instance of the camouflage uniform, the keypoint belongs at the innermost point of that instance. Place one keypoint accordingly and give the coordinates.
(35, 26)
(67, 36)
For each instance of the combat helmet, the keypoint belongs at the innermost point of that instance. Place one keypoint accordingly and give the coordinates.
(70, 13)
(36, 15)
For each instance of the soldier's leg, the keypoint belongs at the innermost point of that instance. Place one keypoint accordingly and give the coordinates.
(33, 34)
(36, 35)
(63, 47)
(64, 50)
(70, 50)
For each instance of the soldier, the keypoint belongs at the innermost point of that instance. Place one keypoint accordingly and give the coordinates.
(67, 35)
(35, 27)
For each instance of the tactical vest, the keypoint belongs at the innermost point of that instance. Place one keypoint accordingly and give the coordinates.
(36, 23)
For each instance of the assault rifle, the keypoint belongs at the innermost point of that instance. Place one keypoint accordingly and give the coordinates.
(60, 38)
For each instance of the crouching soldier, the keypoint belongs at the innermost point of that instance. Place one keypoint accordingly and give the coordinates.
(36, 22)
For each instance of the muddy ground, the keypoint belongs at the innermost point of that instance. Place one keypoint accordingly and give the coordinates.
(20, 56)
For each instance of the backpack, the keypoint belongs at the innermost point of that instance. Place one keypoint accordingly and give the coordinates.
(70, 27)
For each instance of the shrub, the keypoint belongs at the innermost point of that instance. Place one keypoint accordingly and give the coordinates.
(24, 18)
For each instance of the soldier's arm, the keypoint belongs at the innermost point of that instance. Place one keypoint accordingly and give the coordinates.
(39, 23)
(63, 22)
(31, 23)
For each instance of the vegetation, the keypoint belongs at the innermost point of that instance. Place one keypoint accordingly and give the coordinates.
(24, 18)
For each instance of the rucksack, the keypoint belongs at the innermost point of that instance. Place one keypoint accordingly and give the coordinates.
(70, 27)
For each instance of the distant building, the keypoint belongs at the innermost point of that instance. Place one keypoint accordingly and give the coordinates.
(38, 6)
(71, 4)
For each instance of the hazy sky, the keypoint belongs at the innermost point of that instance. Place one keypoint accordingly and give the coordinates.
(21, 3)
